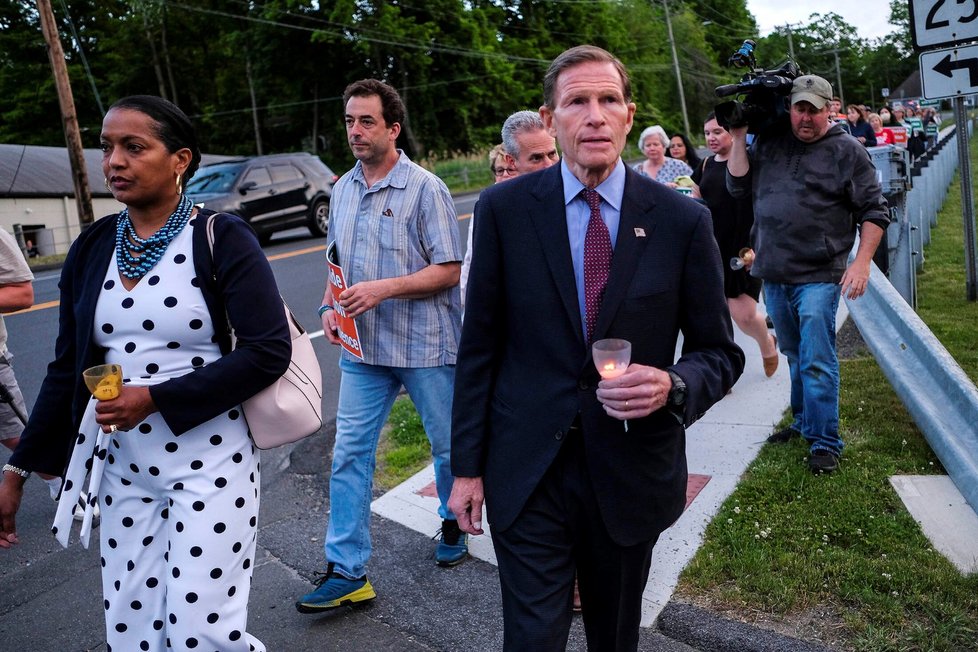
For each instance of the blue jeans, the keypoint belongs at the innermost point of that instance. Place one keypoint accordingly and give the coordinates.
(804, 320)
(367, 393)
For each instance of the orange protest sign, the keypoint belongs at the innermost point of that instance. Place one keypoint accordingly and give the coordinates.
(346, 325)
(899, 136)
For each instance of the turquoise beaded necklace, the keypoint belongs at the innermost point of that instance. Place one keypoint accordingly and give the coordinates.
(136, 256)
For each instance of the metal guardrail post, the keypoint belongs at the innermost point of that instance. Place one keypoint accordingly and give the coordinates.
(900, 256)
(938, 394)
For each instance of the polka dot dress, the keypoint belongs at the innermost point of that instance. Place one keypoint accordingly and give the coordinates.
(179, 513)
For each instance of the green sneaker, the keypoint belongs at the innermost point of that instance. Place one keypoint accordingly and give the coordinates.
(453, 545)
(334, 591)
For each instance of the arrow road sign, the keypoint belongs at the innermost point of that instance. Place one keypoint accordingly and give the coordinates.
(951, 72)
(947, 67)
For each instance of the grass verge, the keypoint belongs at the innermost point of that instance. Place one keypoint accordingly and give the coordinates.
(403, 449)
(838, 558)
(463, 173)
(46, 260)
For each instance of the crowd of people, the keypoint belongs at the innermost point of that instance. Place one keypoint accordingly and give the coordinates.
(578, 472)
(906, 124)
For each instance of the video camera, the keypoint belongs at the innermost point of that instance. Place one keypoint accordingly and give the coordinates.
(765, 91)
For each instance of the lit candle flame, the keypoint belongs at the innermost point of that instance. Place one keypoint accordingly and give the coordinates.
(611, 370)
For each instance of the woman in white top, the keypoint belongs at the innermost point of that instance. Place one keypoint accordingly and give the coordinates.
(653, 142)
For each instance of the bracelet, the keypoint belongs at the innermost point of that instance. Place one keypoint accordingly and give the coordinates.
(13, 469)
(323, 309)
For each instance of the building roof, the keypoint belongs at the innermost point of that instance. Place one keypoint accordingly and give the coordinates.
(909, 89)
(35, 171)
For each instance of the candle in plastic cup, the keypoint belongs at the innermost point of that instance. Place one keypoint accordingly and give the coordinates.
(104, 381)
(611, 357)
(745, 258)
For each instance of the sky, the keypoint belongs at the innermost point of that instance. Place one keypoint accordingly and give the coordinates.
(869, 17)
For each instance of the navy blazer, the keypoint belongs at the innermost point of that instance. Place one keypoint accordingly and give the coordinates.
(524, 371)
(239, 278)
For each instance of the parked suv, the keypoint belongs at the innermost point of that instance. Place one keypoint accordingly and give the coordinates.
(271, 193)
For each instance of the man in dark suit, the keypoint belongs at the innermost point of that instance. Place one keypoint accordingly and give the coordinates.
(535, 431)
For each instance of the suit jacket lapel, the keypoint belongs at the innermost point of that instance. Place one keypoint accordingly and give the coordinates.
(548, 214)
(635, 228)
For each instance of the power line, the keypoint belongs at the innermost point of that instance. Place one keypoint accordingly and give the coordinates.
(403, 43)
(287, 105)
(81, 53)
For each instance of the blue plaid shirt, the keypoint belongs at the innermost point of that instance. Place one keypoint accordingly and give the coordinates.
(399, 226)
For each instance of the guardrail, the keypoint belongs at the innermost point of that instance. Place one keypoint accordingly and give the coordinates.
(938, 394)
(915, 212)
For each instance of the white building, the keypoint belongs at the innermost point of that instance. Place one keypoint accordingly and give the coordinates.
(36, 192)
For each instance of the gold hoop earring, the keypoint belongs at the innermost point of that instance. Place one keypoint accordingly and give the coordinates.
(179, 183)
(107, 184)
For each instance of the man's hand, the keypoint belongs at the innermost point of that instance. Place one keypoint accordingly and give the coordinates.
(330, 329)
(126, 411)
(11, 492)
(466, 503)
(637, 393)
(738, 163)
(855, 280)
(361, 297)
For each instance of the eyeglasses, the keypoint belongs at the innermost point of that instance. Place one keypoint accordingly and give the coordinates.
(503, 172)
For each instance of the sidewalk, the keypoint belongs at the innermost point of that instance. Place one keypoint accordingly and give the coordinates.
(719, 447)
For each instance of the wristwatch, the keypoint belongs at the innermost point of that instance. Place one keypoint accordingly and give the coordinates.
(677, 395)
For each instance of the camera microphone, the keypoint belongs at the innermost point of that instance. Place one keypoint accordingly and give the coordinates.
(727, 89)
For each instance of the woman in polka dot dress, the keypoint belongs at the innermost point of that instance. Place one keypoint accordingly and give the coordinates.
(169, 461)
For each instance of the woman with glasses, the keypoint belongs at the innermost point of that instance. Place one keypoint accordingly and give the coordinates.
(502, 170)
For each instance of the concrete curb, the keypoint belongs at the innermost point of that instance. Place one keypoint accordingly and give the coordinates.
(705, 631)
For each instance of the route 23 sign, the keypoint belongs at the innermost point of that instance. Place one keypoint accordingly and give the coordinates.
(943, 23)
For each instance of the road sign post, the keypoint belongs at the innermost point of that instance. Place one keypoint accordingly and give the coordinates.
(952, 72)
(967, 201)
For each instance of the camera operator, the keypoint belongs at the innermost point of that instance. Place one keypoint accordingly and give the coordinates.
(812, 186)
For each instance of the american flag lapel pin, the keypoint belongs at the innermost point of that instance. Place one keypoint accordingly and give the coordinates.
(639, 232)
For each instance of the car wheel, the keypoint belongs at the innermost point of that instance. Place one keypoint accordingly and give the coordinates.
(319, 218)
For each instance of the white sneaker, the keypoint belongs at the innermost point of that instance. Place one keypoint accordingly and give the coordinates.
(78, 511)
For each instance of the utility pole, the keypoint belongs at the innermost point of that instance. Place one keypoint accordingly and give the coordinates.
(675, 65)
(838, 73)
(791, 45)
(838, 76)
(254, 106)
(76, 154)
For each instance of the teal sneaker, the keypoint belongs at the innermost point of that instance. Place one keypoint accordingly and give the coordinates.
(453, 545)
(334, 591)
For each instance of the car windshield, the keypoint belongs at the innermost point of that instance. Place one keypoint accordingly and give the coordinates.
(215, 178)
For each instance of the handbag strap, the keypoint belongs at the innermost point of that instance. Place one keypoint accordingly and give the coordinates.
(210, 246)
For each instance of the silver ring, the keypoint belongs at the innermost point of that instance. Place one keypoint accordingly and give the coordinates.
(113, 428)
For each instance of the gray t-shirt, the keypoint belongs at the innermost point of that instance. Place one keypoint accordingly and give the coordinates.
(13, 269)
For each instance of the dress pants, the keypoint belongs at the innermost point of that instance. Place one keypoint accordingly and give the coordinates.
(559, 530)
